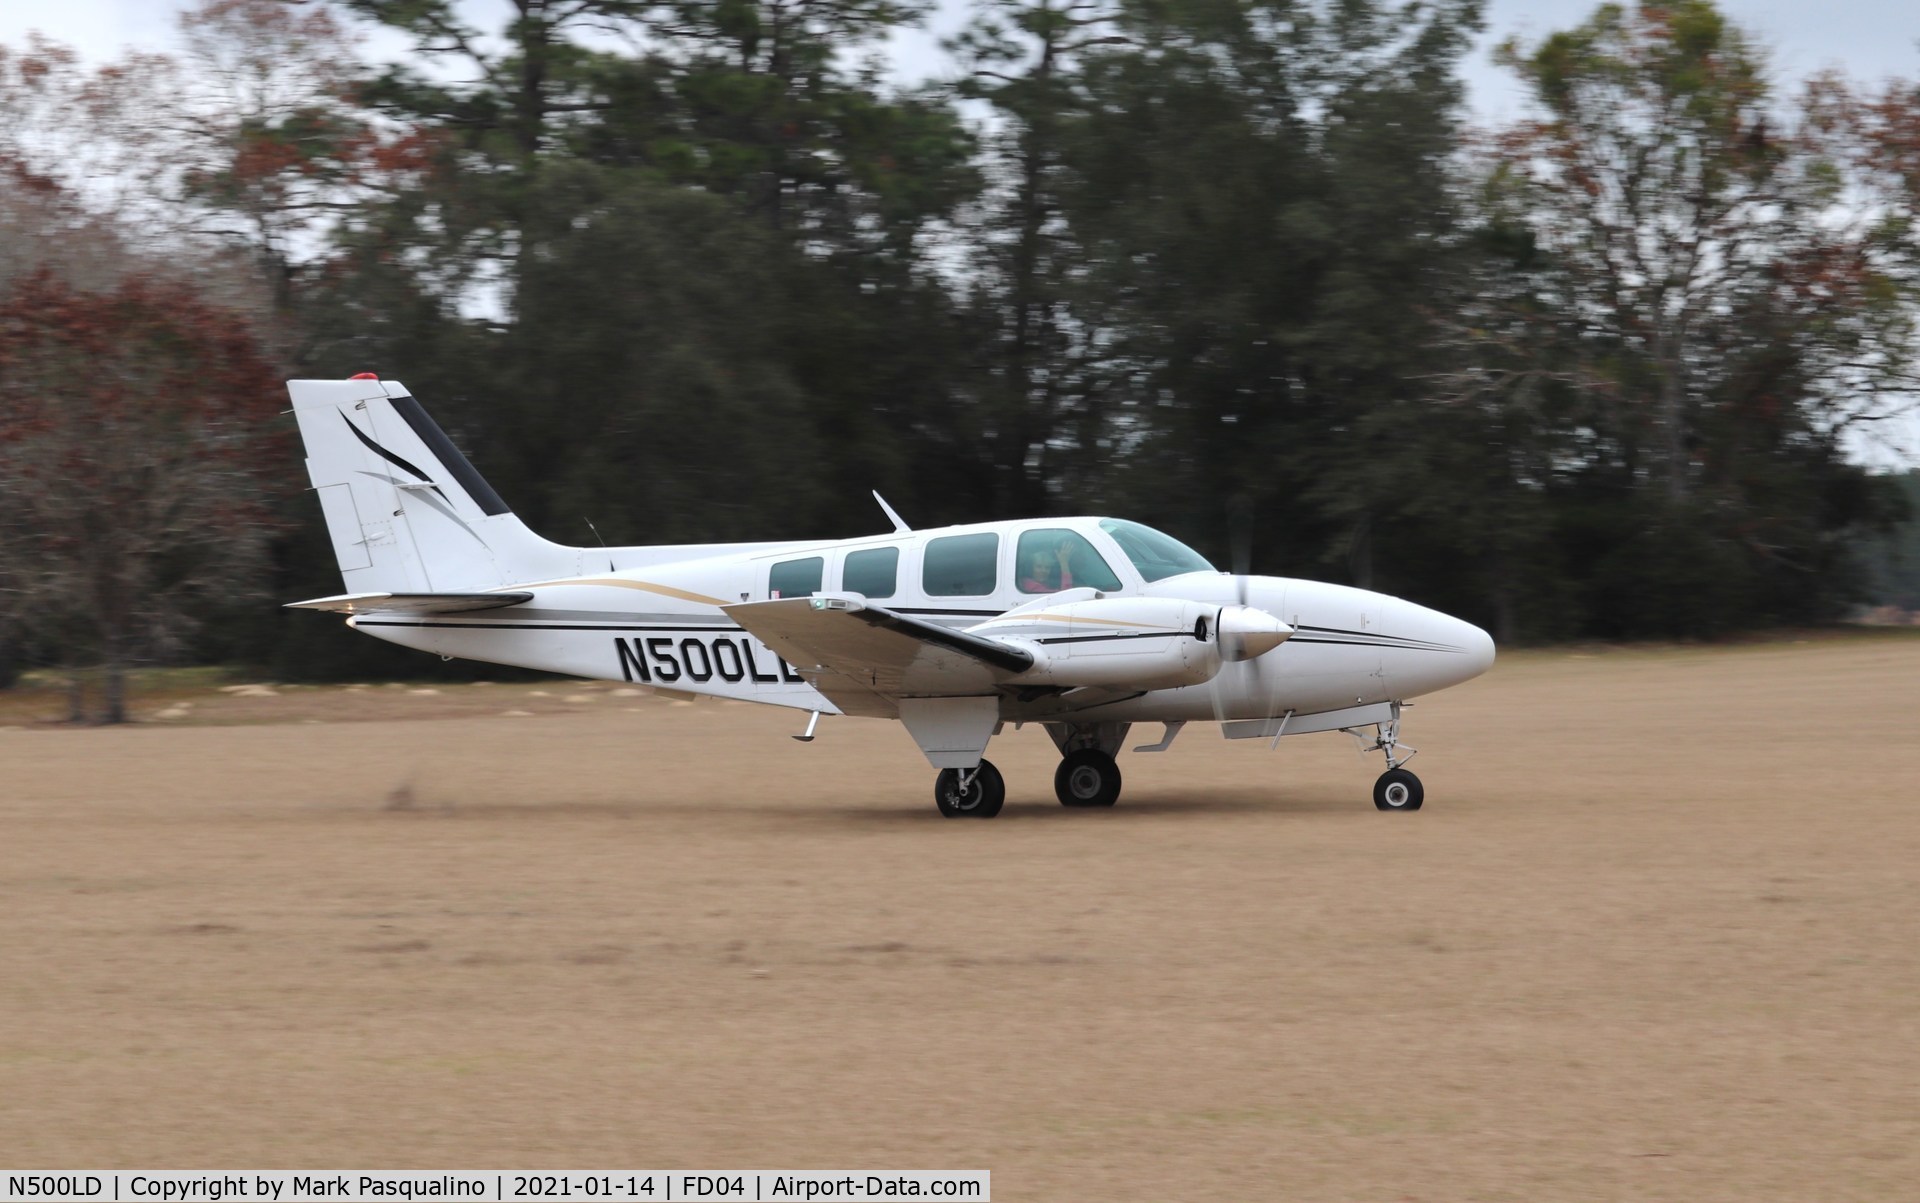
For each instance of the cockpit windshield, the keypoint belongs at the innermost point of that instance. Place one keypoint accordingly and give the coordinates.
(1154, 554)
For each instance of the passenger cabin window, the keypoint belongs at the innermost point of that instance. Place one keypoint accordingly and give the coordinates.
(871, 573)
(796, 578)
(961, 565)
(1154, 554)
(1048, 561)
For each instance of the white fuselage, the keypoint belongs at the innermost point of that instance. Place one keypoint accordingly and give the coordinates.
(660, 625)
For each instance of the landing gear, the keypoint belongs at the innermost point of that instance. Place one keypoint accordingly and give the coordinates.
(1088, 777)
(976, 793)
(1398, 789)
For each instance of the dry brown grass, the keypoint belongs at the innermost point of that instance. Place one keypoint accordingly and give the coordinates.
(1653, 938)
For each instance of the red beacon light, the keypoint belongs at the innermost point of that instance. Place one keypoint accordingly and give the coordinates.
(363, 376)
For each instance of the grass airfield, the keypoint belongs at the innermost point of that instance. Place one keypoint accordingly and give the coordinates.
(1656, 936)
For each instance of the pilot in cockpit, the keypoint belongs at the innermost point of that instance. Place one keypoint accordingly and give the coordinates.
(1048, 572)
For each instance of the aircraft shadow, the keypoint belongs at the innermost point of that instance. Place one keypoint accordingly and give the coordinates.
(1146, 805)
(909, 808)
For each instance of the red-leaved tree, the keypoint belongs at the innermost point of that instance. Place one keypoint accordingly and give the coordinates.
(138, 448)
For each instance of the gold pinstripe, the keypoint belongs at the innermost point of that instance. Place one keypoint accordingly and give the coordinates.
(1105, 622)
(643, 586)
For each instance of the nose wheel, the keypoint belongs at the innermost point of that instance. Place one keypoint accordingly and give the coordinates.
(1088, 777)
(1396, 789)
(976, 793)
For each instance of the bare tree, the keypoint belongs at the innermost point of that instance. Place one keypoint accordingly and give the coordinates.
(244, 152)
(1691, 236)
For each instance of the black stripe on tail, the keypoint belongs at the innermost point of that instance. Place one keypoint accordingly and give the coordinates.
(389, 456)
(443, 449)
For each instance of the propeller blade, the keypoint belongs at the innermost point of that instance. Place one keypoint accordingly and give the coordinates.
(1214, 686)
(1240, 534)
(1234, 646)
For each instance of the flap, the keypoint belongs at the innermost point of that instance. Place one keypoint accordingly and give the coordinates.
(865, 657)
(412, 603)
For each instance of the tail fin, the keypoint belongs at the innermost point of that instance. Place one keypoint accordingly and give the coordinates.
(407, 513)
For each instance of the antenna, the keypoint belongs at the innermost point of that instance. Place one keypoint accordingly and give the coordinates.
(594, 529)
(899, 524)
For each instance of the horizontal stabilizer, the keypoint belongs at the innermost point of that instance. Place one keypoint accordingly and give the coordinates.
(413, 603)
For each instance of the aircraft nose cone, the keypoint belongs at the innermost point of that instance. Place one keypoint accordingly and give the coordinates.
(1450, 651)
(1476, 648)
(1246, 632)
(1479, 647)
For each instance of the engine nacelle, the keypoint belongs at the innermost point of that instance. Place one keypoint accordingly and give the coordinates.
(1121, 642)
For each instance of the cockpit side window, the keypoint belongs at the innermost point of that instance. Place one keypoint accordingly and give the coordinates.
(1048, 561)
(1156, 555)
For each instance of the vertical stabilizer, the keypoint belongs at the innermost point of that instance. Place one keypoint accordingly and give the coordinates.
(406, 511)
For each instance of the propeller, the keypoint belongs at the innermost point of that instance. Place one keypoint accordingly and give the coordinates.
(1240, 535)
(1244, 632)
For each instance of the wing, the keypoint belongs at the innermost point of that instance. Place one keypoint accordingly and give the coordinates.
(864, 658)
(412, 603)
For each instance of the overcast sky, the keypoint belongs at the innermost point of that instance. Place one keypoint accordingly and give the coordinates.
(1870, 39)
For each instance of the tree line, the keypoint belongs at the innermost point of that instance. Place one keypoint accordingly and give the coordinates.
(703, 269)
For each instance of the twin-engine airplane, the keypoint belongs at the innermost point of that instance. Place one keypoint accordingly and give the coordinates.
(1083, 625)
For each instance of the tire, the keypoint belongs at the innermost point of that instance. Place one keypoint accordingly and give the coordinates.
(1088, 777)
(1398, 789)
(983, 799)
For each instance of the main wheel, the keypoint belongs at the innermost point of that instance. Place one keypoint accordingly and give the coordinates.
(981, 799)
(1398, 789)
(1088, 777)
